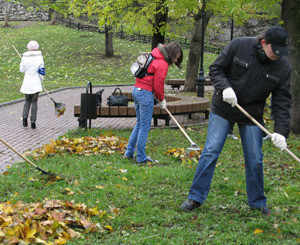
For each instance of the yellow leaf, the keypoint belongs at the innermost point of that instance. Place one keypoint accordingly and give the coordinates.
(94, 211)
(108, 227)
(101, 215)
(79, 149)
(58, 177)
(99, 187)
(60, 241)
(258, 231)
(31, 233)
(49, 149)
(6, 219)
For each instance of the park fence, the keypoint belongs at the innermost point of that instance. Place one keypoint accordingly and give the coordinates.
(183, 41)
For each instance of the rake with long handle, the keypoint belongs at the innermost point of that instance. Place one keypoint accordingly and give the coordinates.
(26, 159)
(263, 129)
(56, 105)
(59, 107)
(194, 146)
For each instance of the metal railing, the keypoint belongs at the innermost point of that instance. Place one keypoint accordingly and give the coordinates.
(183, 41)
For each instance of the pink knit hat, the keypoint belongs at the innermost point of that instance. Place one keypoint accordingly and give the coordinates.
(32, 45)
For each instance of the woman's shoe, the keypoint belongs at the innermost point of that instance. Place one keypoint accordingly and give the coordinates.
(33, 126)
(25, 123)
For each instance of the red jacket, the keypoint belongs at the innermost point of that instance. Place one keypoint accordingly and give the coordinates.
(155, 83)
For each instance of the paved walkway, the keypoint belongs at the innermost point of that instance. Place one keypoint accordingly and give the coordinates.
(50, 127)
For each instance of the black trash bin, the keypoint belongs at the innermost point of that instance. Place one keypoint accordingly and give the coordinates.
(88, 106)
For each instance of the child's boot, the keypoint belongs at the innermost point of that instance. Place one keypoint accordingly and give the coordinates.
(25, 123)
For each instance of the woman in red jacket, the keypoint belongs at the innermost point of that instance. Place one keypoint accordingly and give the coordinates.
(143, 97)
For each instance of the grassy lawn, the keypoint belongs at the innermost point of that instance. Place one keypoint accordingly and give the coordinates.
(148, 198)
(136, 204)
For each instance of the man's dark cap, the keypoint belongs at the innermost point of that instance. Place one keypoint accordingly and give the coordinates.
(278, 37)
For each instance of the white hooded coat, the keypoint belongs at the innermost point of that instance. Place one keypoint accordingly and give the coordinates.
(31, 62)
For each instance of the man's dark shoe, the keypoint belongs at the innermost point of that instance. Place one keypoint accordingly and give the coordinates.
(33, 126)
(264, 210)
(190, 205)
(25, 123)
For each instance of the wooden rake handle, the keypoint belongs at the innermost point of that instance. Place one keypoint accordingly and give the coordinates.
(179, 126)
(264, 129)
(18, 153)
(16, 51)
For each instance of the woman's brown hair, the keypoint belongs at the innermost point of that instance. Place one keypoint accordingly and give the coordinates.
(173, 49)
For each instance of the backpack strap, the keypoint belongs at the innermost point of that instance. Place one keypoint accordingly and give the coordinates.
(150, 74)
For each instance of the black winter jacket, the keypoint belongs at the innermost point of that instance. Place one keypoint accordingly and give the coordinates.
(238, 67)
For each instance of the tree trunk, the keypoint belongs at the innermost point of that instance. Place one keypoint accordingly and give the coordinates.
(161, 18)
(290, 14)
(6, 11)
(109, 50)
(195, 53)
(54, 18)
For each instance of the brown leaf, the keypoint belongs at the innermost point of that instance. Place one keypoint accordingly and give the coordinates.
(86, 223)
(58, 216)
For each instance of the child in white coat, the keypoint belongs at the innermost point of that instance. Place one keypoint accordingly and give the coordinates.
(32, 64)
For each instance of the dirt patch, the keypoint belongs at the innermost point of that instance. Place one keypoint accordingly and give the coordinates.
(21, 24)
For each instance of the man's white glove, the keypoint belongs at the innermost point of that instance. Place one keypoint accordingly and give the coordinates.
(162, 104)
(279, 141)
(229, 96)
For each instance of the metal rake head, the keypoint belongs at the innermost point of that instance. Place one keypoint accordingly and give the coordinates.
(194, 147)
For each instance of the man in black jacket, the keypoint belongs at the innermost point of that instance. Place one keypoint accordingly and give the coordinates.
(246, 72)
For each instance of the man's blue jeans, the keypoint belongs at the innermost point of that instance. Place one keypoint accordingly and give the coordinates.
(251, 137)
(144, 102)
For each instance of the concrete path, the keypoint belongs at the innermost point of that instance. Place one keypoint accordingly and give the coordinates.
(49, 126)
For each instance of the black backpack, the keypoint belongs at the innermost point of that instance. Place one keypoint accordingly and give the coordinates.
(140, 66)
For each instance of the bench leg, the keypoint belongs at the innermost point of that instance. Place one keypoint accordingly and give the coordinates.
(206, 114)
(81, 122)
(190, 115)
(175, 86)
(167, 121)
(155, 121)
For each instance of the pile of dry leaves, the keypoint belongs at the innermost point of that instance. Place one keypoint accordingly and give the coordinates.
(82, 146)
(49, 222)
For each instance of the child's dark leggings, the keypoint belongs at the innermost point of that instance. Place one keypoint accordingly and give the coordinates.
(31, 99)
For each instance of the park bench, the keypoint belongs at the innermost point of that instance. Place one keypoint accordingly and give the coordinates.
(176, 83)
(177, 105)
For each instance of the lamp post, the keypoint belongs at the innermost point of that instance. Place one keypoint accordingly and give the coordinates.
(201, 77)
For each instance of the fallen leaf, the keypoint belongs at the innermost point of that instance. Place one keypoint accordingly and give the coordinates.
(258, 231)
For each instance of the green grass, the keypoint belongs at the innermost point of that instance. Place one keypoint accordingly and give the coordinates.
(148, 198)
(72, 58)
